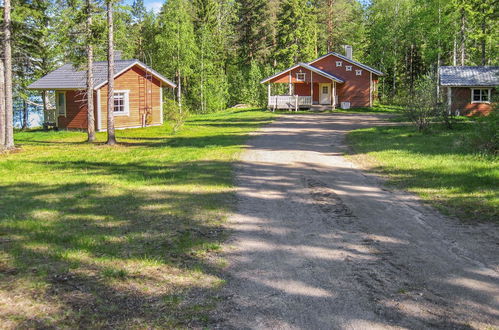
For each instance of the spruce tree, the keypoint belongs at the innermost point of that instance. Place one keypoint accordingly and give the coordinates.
(296, 37)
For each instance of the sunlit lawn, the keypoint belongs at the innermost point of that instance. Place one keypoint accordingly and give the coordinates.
(438, 166)
(95, 236)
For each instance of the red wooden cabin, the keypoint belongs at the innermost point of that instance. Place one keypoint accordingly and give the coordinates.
(138, 96)
(329, 81)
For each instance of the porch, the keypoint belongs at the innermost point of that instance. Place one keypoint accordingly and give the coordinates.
(296, 102)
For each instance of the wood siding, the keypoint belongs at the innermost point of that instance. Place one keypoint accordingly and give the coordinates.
(461, 101)
(130, 81)
(355, 89)
(76, 110)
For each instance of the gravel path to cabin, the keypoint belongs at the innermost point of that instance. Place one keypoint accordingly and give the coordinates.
(319, 244)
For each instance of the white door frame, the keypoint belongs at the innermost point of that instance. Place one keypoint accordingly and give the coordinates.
(325, 99)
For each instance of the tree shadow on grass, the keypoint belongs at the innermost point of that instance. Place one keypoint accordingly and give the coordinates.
(107, 257)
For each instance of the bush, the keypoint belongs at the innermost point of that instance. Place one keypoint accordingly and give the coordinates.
(485, 135)
(421, 106)
(172, 112)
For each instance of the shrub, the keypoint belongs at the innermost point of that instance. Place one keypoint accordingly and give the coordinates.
(175, 114)
(485, 135)
(421, 106)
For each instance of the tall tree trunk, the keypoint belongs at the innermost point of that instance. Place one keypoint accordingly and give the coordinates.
(9, 123)
(2, 105)
(330, 25)
(25, 116)
(111, 137)
(483, 41)
(454, 52)
(463, 36)
(90, 75)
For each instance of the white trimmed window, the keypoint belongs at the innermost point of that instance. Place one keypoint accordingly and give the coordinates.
(301, 76)
(480, 95)
(121, 103)
(60, 104)
(339, 63)
(348, 68)
(358, 72)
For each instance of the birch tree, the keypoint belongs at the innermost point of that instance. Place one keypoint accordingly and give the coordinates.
(9, 124)
(111, 137)
(90, 77)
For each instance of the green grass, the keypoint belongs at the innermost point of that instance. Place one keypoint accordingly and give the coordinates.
(118, 237)
(437, 165)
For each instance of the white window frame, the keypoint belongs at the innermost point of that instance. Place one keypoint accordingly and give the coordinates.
(126, 103)
(339, 63)
(348, 68)
(301, 74)
(58, 106)
(481, 89)
(358, 72)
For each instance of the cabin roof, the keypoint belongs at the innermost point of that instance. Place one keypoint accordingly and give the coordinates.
(363, 66)
(308, 67)
(69, 77)
(469, 76)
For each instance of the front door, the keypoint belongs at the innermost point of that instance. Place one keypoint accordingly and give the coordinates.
(325, 93)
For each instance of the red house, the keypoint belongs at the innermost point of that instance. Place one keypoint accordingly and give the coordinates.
(138, 96)
(469, 89)
(329, 81)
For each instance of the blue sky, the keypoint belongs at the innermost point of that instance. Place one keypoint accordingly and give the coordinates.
(154, 5)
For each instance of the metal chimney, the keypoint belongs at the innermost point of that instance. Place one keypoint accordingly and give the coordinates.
(349, 51)
(117, 55)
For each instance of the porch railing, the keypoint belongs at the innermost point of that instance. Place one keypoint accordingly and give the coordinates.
(288, 101)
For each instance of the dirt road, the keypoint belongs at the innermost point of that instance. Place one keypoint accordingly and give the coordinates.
(320, 244)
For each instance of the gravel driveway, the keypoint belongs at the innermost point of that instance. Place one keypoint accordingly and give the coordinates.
(320, 244)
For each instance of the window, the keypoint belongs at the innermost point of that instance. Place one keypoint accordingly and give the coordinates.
(121, 105)
(339, 63)
(358, 72)
(60, 103)
(480, 95)
(325, 90)
(348, 68)
(300, 76)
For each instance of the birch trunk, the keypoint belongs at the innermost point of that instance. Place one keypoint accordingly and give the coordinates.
(90, 76)
(9, 124)
(463, 36)
(2, 105)
(111, 137)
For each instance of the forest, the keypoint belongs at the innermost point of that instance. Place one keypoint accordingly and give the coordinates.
(217, 51)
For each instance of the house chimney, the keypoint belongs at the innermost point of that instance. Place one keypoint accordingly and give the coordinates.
(117, 55)
(349, 51)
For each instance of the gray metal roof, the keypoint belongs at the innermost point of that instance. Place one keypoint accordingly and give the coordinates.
(68, 77)
(469, 75)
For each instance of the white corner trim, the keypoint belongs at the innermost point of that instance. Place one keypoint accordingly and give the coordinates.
(370, 89)
(161, 103)
(99, 112)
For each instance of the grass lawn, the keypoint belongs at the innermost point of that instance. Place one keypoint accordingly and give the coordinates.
(121, 237)
(438, 166)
